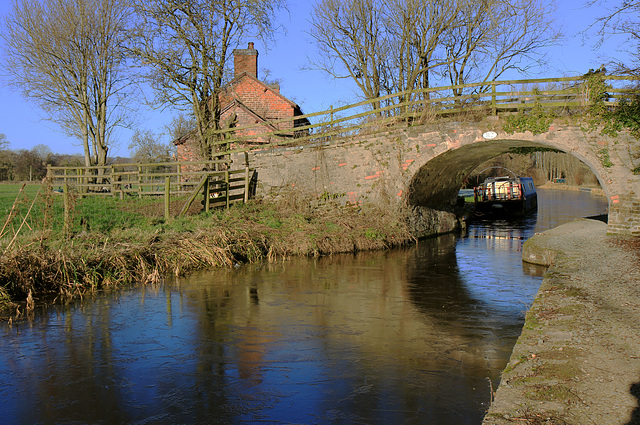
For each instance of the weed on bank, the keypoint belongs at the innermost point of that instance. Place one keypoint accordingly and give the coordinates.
(109, 243)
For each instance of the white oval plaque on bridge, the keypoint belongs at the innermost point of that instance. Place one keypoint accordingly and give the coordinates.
(490, 135)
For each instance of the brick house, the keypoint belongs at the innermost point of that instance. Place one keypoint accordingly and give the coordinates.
(245, 101)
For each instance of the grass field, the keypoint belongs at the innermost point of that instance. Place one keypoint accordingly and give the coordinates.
(18, 211)
(35, 207)
(9, 191)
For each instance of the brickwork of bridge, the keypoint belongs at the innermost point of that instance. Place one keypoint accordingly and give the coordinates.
(422, 168)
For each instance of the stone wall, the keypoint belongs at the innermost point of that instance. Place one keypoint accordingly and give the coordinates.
(425, 166)
(624, 213)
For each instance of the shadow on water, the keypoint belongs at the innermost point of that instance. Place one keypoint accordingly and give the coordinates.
(600, 217)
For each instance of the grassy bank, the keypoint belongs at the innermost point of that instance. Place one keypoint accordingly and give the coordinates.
(139, 247)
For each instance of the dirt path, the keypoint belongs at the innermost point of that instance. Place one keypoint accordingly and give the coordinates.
(577, 360)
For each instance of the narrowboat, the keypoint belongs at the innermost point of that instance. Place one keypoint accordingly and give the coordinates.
(506, 196)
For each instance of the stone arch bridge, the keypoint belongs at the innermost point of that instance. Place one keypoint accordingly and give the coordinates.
(422, 168)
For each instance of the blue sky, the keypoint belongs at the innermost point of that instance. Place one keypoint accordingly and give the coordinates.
(25, 125)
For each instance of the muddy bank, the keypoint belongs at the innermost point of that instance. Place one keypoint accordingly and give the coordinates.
(577, 360)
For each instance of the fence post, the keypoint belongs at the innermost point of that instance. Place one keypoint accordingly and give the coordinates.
(207, 195)
(179, 177)
(167, 197)
(246, 184)
(494, 106)
(226, 183)
(67, 213)
(112, 180)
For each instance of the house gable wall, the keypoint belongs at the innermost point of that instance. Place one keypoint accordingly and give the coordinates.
(247, 101)
(260, 99)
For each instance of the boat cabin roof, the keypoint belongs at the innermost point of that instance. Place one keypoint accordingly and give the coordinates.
(505, 178)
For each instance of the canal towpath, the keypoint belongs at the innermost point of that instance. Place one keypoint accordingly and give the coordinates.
(577, 360)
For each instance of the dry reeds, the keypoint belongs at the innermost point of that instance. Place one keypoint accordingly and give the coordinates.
(257, 231)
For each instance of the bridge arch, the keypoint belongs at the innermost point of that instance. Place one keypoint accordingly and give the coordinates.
(436, 182)
(422, 168)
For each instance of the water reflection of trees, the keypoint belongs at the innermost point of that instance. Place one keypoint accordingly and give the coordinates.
(354, 337)
(369, 328)
(65, 370)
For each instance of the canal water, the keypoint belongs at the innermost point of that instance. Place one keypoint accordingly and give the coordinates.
(416, 336)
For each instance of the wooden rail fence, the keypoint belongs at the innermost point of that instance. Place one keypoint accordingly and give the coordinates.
(217, 183)
(569, 95)
(221, 186)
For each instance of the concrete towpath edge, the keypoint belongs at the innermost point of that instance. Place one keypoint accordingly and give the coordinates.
(577, 360)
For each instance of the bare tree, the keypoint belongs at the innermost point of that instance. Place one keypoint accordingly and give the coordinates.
(181, 127)
(28, 166)
(42, 151)
(493, 36)
(146, 147)
(185, 45)
(6, 159)
(384, 46)
(4, 143)
(390, 46)
(419, 28)
(353, 43)
(67, 56)
(623, 19)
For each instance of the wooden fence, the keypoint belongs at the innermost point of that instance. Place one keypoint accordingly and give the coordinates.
(215, 181)
(569, 96)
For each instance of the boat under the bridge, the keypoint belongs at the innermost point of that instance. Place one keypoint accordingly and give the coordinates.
(505, 197)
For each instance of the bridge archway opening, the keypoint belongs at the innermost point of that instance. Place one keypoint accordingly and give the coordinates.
(436, 184)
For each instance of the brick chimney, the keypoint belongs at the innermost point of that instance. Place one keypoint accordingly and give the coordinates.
(245, 60)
